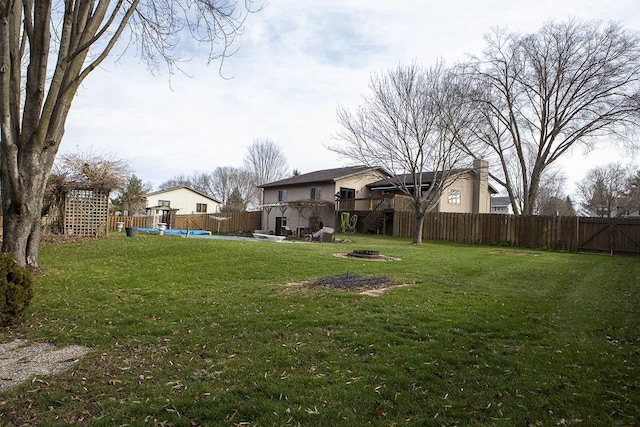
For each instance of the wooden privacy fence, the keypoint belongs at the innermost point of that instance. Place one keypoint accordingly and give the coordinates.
(235, 222)
(129, 221)
(224, 223)
(572, 234)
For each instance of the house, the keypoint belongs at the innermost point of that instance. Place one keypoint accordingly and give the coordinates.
(329, 197)
(184, 200)
(619, 207)
(501, 205)
(628, 207)
(304, 203)
(465, 191)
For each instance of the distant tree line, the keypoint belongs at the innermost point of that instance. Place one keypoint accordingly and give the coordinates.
(237, 188)
(610, 190)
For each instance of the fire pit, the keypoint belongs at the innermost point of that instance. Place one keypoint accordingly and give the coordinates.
(366, 255)
(352, 281)
(361, 253)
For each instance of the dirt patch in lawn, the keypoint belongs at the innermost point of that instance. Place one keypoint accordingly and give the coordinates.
(20, 362)
(514, 253)
(365, 285)
(362, 256)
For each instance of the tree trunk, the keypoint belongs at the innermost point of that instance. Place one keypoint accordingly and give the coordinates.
(531, 194)
(417, 232)
(22, 227)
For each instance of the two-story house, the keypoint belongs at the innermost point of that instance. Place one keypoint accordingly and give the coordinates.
(458, 191)
(163, 205)
(306, 202)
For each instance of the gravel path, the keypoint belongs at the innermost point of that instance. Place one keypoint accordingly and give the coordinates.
(20, 362)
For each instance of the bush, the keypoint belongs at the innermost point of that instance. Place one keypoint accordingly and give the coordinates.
(16, 289)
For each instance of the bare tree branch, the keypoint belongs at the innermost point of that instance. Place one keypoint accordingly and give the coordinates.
(63, 42)
(538, 95)
(412, 122)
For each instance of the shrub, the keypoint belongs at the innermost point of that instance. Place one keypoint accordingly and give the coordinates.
(16, 289)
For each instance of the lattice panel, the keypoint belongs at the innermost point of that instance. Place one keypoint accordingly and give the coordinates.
(86, 213)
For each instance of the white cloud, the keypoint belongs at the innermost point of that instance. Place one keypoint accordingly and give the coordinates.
(297, 61)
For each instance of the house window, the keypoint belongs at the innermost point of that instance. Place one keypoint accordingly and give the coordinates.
(454, 197)
(315, 193)
(201, 207)
(166, 203)
(347, 193)
(282, 195)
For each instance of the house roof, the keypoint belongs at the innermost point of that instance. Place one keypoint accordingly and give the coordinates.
(182, 187)
(500, 201)
(408, 179)
(321, 176)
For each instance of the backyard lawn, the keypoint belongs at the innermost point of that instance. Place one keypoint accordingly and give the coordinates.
(193, 331)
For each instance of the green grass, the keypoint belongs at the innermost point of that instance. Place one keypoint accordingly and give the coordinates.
(209, 332)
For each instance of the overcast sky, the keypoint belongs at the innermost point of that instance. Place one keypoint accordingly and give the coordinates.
(297, 61)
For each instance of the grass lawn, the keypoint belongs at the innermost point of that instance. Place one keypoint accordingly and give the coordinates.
(209, 332)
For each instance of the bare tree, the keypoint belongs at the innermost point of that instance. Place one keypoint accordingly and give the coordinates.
(411, 123)
(235, 202)
(98, 171)
(84, 170)
(180, 180)
(78, 36)
(227, 179)
(552, 199)
(266, 163)
(538, 95)
(632, 192)
(602, 190)
(219, 184)
(199, 181)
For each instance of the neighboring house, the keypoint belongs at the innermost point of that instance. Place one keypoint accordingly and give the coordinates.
(627, 207)
(621, 207)
(301, 203)
(304, 203)
(184, 200)
(466, 191)
(501, 205)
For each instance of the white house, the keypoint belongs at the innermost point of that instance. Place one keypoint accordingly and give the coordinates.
(501, 205)
(183, 199)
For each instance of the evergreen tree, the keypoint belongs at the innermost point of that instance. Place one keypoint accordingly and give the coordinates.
(131, 200)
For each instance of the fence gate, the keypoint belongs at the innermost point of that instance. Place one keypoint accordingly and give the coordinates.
(613, 235)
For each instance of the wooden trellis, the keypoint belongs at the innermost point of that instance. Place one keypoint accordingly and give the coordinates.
(86, 212)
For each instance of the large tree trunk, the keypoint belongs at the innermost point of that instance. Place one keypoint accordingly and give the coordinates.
(21, 231)
(22, 198)
(532, 192)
